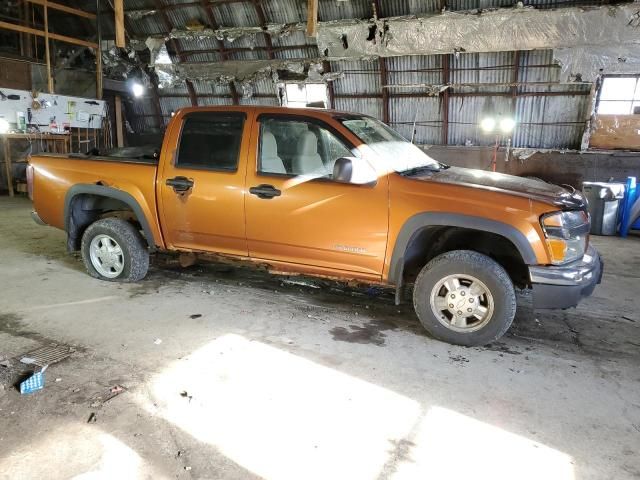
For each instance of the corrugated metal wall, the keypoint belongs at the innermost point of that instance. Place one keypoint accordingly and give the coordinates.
(548, 114)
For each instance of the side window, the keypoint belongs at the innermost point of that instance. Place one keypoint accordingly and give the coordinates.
(292, 147)
(210, 141)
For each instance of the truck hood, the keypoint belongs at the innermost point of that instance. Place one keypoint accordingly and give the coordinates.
(567, 198)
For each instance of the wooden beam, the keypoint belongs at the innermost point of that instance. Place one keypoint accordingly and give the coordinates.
(312, 18)
(63, 8)
(119, 23)
(46, 49)
(52, 36)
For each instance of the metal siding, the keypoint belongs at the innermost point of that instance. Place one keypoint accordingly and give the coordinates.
(205, 101)
(367, 106)
(359, 77)
(238, 14)
(272, 102)
(171, 104)
(414, 70)
(482, 67)
(396, 8)
(285, 11)
(333, 10)
(465, 114)
(426, 113)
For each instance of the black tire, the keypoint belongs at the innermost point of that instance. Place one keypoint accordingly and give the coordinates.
(484, 269)
(134, 249)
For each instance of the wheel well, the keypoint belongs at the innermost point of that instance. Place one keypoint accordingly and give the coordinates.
(86, 208)
(429, 242)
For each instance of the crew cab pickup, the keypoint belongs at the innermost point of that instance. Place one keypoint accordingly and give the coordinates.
(332, 194)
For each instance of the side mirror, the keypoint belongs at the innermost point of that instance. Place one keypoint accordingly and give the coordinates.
(354, 170)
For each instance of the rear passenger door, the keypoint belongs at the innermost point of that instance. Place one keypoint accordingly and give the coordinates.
(297, 214)
(201, 183)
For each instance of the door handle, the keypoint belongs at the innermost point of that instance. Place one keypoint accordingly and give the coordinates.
(265, 191)
(180, 184)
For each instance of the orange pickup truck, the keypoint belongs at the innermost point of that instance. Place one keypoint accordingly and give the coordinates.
(326, 193)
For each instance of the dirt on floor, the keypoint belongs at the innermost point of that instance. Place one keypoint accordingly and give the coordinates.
(218, 372)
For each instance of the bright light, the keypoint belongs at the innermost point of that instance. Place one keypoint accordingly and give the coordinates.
(488, 124)
(137, 89)
(507, 124)
(4, 126)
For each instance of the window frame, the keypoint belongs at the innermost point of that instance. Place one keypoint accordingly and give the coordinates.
(211, 114)
(297, 118)
(631, 100)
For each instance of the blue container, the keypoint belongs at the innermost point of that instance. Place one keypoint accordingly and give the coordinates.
(32, 384)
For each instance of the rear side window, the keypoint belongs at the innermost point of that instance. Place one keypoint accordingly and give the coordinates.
(211, 141)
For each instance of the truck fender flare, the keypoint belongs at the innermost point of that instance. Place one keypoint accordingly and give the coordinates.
(422, 220)
(107, 192)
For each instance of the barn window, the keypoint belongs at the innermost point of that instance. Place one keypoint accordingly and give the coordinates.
(619, 95)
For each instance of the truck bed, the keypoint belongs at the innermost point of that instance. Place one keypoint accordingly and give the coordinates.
(56, 174)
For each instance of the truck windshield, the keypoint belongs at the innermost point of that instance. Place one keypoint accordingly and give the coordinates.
(404, 156)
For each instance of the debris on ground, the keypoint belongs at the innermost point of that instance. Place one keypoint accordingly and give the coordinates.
(629, 318)
(93, 418)
(157, 341)
(185, 394)
(113, 392)
(195, 315)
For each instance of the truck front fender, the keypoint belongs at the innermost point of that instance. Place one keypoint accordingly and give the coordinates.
(429, 219)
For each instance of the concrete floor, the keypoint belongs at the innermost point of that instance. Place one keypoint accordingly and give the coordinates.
(237, 375)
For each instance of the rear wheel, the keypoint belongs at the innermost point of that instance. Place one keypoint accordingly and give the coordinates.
(465, 298)
(112, 249)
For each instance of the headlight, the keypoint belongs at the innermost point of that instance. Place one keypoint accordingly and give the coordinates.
(566, 234)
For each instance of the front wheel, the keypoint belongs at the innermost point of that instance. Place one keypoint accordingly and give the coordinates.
(112, 249)
(465, 298)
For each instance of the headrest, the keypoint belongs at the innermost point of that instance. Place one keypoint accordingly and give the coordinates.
(308, 144)
(269, 145)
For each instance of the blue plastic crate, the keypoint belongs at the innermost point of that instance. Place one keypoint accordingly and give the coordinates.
(32, 384)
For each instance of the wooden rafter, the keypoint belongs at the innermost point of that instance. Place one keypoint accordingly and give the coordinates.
(64, 8)
(52, 36)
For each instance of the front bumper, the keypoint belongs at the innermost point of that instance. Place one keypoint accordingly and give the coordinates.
(564, 286)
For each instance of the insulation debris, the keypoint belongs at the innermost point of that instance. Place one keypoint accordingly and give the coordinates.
(487, 31)
(246, 72)
(233, 33)
(138, 14)
(585, 64)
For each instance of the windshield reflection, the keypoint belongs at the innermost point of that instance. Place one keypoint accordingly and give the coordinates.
(402, 155)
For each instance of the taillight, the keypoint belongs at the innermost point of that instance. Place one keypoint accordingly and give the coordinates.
(30, 181)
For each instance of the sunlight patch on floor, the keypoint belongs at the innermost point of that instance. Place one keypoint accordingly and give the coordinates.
(281, 416)
(449, 445)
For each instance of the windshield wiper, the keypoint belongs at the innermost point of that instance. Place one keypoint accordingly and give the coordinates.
(421, 169)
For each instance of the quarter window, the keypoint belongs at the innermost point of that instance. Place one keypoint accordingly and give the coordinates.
(210, 141)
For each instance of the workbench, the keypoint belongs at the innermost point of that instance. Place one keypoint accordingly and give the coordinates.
(50, 143)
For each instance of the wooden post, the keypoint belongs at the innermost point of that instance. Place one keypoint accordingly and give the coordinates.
(46, 48)
(119, 130)
(7, 166)
(98, 53)
(312, 18)
(120, 43)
